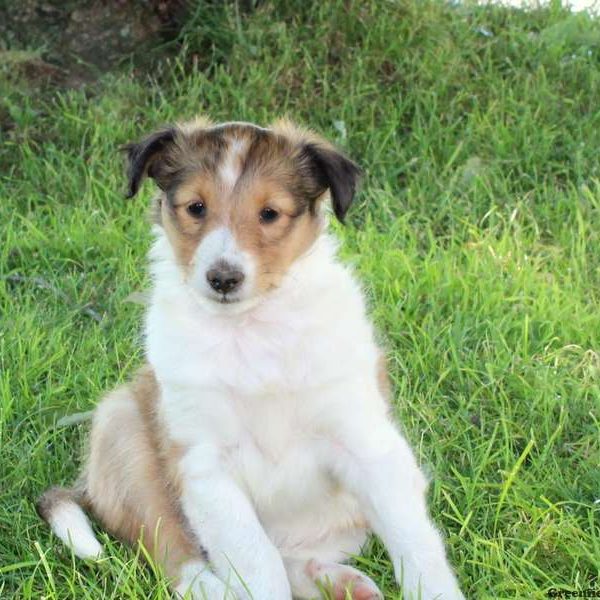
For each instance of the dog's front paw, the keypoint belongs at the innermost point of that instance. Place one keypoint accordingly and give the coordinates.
(197, 582)
(433, 592)
(437, 584)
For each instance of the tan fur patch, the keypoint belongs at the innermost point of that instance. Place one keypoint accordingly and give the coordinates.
(132, 483)
(276, 246)
(184, 231)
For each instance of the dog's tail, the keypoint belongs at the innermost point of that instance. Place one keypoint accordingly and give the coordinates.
(61, 509)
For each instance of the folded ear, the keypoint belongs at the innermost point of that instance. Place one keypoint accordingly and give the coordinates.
(335, 172)
(145, 158)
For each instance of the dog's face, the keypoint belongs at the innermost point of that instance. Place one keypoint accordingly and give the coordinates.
(240, 203)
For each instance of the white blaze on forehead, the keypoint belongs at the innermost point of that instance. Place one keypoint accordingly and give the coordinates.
(230, 168)
(219, 244)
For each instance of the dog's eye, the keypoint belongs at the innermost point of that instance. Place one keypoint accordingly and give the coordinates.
(268, 215)
(197, 209)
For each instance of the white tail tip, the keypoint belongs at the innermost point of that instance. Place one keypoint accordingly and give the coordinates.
(69, 523)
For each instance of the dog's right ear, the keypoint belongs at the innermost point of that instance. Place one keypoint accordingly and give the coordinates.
(145, 158)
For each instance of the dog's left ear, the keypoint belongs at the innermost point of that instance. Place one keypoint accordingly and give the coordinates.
(335, 172)
(144, 158)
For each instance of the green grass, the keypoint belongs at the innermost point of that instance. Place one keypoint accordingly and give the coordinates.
(477, 234)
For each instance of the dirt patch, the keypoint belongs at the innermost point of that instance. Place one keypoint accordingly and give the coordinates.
(73, 42)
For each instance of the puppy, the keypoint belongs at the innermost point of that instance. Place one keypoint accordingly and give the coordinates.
(255, 451)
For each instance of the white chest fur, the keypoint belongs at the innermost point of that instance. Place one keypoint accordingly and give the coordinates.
(258, 393)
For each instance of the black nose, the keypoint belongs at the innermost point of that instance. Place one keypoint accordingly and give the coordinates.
(224, 279)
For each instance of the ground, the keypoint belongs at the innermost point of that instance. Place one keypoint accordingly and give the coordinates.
(476, 235)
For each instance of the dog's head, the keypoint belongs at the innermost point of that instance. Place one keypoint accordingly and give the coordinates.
(240, 203)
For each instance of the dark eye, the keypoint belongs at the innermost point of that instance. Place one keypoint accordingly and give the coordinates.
(197, 209)
(268, 215)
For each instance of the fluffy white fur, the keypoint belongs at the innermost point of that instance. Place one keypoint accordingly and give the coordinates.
(291, 447)
(71, 525)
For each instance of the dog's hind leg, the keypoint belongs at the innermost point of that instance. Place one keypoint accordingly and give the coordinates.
(309, 578)
(127, 487)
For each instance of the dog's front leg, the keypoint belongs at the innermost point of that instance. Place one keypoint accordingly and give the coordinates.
(378, 466)
(225, 524)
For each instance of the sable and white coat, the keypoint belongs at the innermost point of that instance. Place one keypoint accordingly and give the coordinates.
(266, 417)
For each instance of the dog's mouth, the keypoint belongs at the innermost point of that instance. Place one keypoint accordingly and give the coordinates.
(226, 299)
(221, 299)
(224, 303)
(229, 304)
